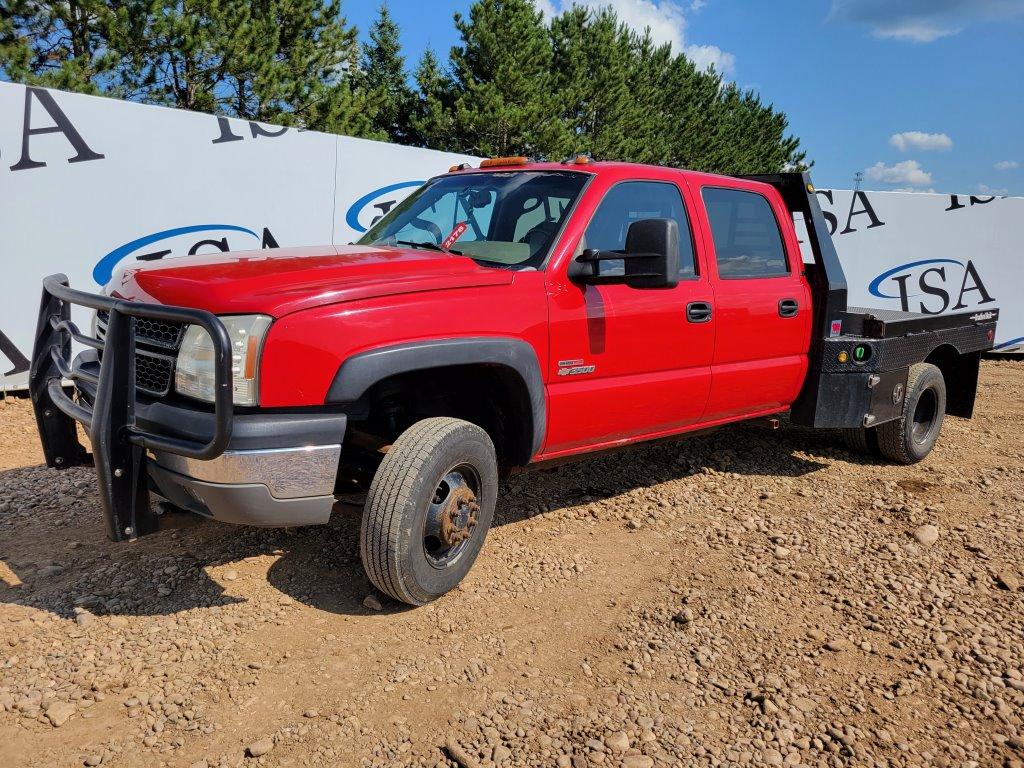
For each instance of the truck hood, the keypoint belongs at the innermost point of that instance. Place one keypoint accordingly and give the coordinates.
(280, 281)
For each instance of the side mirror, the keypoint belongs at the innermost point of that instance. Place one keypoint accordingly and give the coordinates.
(650, 258)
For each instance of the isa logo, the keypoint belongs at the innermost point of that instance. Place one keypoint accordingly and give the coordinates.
(371, 207)
(183, 241)
(932, 286)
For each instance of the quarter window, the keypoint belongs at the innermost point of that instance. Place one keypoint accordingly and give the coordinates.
(632, 201)
(746, 234)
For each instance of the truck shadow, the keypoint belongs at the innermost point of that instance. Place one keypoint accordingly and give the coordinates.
(55, 557)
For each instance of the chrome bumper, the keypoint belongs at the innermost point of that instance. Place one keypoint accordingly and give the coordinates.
(272, 487)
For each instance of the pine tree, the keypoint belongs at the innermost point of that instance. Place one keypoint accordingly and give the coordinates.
(57, 44)
(692, 110)
(504, 101)
(382, 78)
(587, 83)
(593, 55)
(430, 121)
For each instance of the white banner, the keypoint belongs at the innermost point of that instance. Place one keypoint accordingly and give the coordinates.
(88, 183)
(936, 254)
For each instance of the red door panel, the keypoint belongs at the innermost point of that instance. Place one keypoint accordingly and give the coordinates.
(651, 368)
(760, 357)
(624, 362)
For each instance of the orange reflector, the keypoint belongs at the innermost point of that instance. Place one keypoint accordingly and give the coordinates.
(250, 358)
(581, 160)
(494, 162)
(459, 167)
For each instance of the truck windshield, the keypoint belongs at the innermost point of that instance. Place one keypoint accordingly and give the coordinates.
(506, 219)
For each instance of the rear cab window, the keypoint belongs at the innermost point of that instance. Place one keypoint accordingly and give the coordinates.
(748, 240)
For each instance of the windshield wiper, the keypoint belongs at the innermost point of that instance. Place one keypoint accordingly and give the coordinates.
(430, 246)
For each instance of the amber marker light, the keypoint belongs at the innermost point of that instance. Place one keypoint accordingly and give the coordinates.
(494, 162)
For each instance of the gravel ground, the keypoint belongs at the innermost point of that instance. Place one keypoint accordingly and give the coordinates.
(747, 597)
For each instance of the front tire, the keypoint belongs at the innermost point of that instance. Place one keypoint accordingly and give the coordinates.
(428, 510)
(912, 436)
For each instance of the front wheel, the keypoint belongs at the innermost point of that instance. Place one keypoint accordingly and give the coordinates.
(912, 436)
(428, 509)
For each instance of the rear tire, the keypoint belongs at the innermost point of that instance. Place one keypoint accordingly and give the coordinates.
(860, 440)
(428, 509)
(912, 436)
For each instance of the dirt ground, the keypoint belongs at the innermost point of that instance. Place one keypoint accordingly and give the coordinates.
(747, 597)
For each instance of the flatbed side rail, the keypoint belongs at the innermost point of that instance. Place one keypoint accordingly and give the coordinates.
(119, 446)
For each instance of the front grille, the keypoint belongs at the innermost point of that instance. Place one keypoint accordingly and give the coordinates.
(156, 346)
(154, 374)
(159, 333)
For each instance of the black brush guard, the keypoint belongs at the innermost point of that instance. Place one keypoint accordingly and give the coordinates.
(119, 447)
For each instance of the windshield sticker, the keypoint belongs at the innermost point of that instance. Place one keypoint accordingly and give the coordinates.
(455, 234)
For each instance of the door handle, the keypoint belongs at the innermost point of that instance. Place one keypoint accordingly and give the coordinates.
(788, 308)
(698, 312)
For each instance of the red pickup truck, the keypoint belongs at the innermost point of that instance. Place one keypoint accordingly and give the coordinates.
(501, 316)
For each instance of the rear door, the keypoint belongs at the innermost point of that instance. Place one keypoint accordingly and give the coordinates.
(762, 301)
(626, 362)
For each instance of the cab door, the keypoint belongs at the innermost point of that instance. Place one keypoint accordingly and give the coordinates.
(763, 302)
(627, 362)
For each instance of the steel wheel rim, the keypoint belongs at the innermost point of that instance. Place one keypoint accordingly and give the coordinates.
(451, 514)
(924, 415)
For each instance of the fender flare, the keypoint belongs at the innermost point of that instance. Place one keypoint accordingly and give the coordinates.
(361, 371)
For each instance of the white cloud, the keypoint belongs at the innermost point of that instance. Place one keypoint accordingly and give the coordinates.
(907, 172)
(705, 56)
(1006, 165)
(922, 21)
(985, 189)
(930, 190)
(546, 7)
(665, 19)
(920, 140)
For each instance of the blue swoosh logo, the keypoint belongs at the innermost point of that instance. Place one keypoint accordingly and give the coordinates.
(104, 268)
(1009, 343)
(352, 215)
(875, 288)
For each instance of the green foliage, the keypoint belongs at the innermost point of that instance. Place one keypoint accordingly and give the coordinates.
(384, 82)
(57, 44)
(430, 122)
(502, 80)
(513, 85)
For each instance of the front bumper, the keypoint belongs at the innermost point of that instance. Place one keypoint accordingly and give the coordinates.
(272, 488)
(278, 470)
(270, 469)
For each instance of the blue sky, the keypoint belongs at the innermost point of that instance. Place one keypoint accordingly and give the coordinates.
(916, 94)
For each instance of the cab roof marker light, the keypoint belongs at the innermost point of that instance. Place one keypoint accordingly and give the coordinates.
(459, 167)
(581, 158)
(495, 162)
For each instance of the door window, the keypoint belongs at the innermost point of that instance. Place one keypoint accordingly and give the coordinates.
(632, 201)
(748, 242)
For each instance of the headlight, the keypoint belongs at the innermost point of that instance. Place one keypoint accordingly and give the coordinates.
(194, 372)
